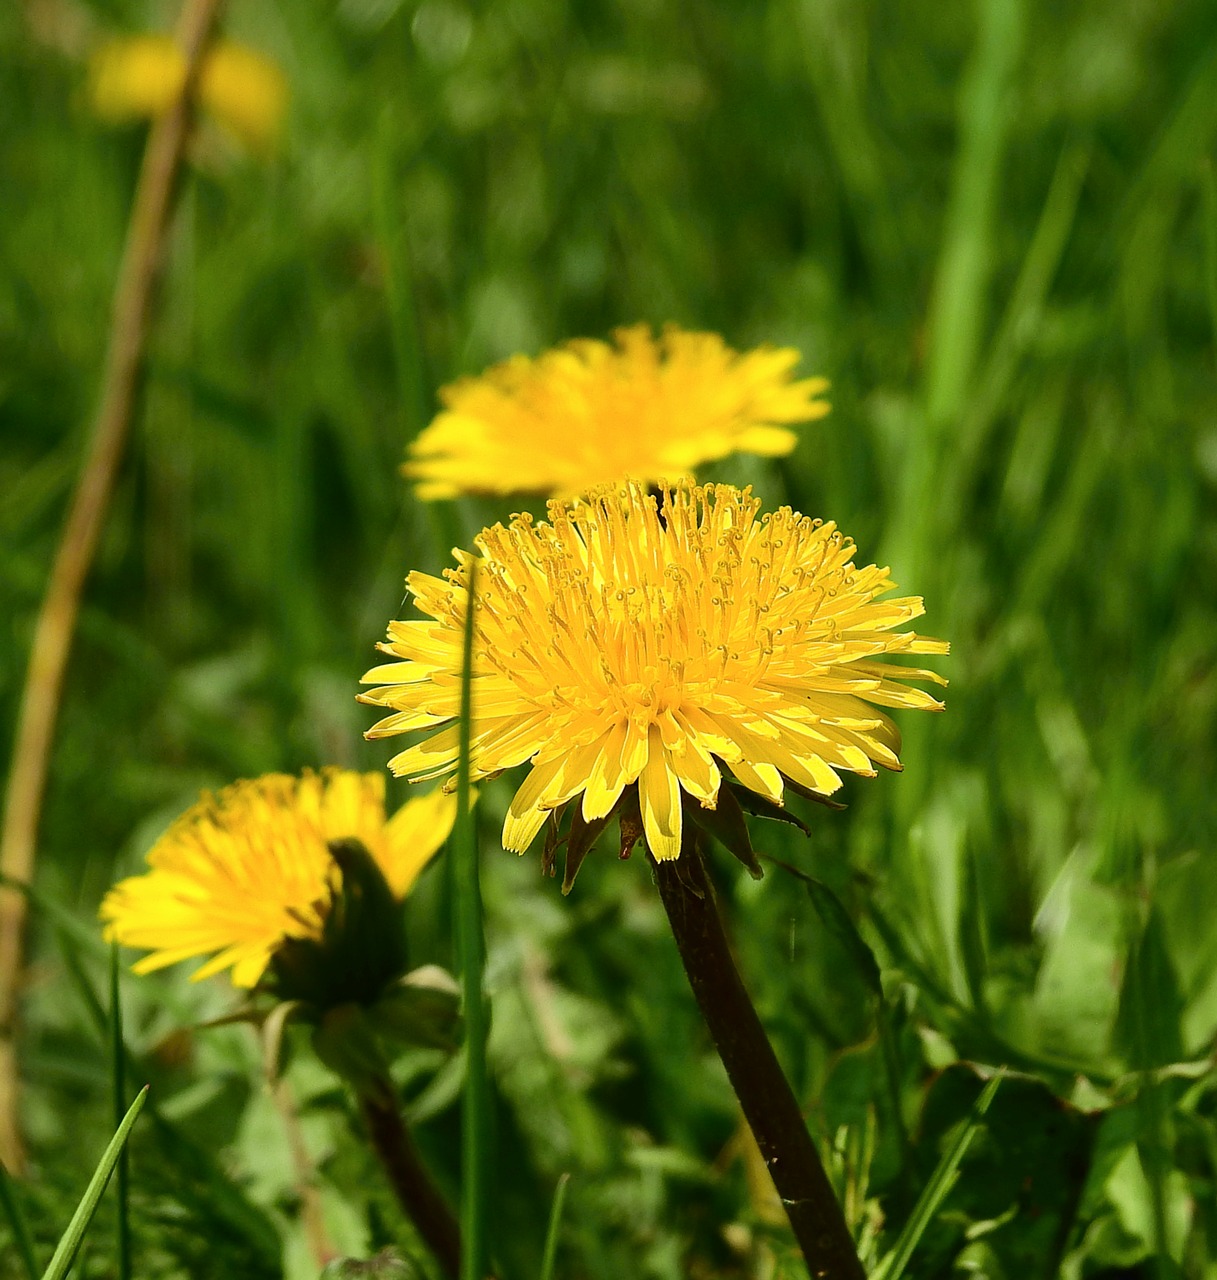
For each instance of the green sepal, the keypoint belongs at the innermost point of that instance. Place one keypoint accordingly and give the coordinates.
(817, 797)
(345, 1042)
(763, 807)
(423, 1008)
(726, 823)
(579, 841)
(362, 948)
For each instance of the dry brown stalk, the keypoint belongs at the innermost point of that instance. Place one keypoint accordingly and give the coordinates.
(133, 297)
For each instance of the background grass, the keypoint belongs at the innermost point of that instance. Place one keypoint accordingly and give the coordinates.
(994, 227)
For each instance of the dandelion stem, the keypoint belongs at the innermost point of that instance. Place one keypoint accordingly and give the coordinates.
(768, 1103)
(411, 1183)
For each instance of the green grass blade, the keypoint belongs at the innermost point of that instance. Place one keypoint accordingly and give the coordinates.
(118, 1079)
(16, 1220)
(69, 1244)
(956, 322)
(986, 109)
(1020, 322)
(555, 1222)
(475, 1154)
(937, 1189)
(412, 377)
(1208, 213)
(201, 1172)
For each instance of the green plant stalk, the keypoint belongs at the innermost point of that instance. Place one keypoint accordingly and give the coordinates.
(412, 378)
(475, 1114)
(410, 364)
(764, 1093)
(118, 1078)
(937, 1189)
(411, 1183)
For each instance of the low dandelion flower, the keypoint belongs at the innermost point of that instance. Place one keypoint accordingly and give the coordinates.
(250, 868)
(590, 413)
(632, 649)
(140, 77)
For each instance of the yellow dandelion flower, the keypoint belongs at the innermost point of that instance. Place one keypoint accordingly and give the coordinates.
(588, 413)
(138, 77)
(631, 641)
(249, 867)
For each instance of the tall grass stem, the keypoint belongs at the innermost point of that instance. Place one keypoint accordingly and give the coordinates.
(475, 1115)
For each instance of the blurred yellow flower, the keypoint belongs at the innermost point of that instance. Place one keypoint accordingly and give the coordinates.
(588, 413)
(141, 76)
(249, 867)
(634, 641)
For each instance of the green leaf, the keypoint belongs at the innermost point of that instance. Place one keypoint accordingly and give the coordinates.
(1077, 988)
(1150, 1023)
(936, 1190)
(422, 1009)
(973, 951)
(69, 1244)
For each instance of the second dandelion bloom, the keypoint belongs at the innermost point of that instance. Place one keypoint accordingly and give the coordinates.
(634, 647)
(252, 868)
(589, 413)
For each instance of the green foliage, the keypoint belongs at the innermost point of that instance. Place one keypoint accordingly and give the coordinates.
(994, 227)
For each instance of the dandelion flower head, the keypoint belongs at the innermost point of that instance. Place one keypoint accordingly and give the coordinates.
(249, 867)
(630, 640)
(590, 413)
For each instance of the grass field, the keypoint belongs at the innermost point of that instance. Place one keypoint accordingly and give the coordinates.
(994, 228)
